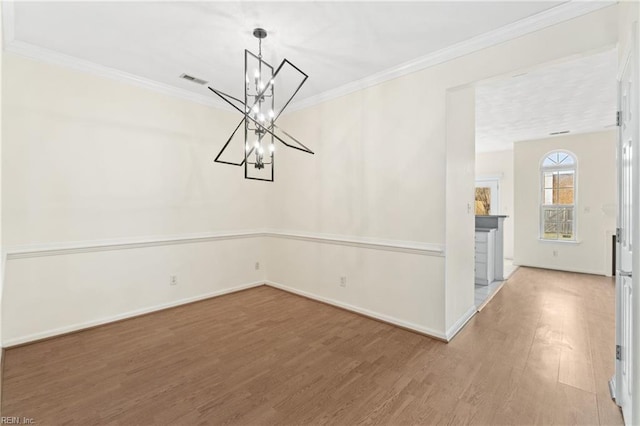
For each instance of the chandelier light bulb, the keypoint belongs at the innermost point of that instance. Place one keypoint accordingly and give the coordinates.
(247, 147)
(261, 150)
(256, 74)
(261, 117)
(256, 108)
(272, 148)
(271, 114)
(257, 144)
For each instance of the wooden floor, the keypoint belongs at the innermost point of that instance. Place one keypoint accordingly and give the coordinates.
(540, 352)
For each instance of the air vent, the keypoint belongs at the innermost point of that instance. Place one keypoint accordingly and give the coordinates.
(193, 79)
(559, 133)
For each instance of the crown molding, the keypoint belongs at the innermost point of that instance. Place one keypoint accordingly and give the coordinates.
(555, 15)
(32, 51)
(547, 18)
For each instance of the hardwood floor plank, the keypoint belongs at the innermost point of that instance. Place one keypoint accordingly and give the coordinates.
(539, 353)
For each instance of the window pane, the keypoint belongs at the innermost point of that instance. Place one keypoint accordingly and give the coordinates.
(558, 190)
(565, 179)
(548, 180)
(563, 196)
(565, 159)
(558, 223)
(559, 158)
(483, 201)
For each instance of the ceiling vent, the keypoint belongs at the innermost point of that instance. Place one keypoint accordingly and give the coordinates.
(193, 79)
(559, 133)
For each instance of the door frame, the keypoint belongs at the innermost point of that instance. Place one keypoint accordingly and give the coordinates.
(492, 182)
(631, 57)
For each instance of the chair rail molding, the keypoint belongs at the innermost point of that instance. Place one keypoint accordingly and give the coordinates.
(64, 248)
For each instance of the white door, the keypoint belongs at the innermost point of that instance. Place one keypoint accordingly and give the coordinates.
(627, 217)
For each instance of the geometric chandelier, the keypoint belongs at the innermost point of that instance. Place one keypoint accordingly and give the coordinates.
(260, 109)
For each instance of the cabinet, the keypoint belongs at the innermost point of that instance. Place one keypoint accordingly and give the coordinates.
(495, 222)
(485, 256)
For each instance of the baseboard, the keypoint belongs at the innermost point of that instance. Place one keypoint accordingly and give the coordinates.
(516, 267)
(32, 338)
(362, 311)
(576, 270)
(455, 328)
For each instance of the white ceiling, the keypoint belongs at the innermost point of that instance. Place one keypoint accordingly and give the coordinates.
(334, 42)
(577, 95)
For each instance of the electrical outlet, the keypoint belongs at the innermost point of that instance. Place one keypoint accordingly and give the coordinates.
(173, 280)
(257, 265)
(343, 281)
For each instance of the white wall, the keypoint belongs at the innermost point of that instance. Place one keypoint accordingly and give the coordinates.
(500, 163)
(595, 204)
(381, 168)
(89, 161)
(460, 205)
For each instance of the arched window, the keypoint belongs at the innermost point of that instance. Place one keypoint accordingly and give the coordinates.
(558, 206)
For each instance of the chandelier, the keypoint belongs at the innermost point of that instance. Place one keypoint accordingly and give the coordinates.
(258, 132)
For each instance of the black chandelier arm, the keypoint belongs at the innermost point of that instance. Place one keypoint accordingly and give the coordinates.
(297, 89)
(266, 129)
(303, 149)
(222, 95)
(217, 159)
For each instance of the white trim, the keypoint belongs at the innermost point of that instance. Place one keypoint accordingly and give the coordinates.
(58, 249)
(550, 241)
(415, 247)
(541, 194)
(494, 186)
(547, 18)
(8, 21)
(75, 247)
(563, 269)
(131, 314)
(366, 312)
(555, 15)
(38, 53)
(462, 321)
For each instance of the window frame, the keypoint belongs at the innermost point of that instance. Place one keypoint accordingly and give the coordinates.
(542, 169)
